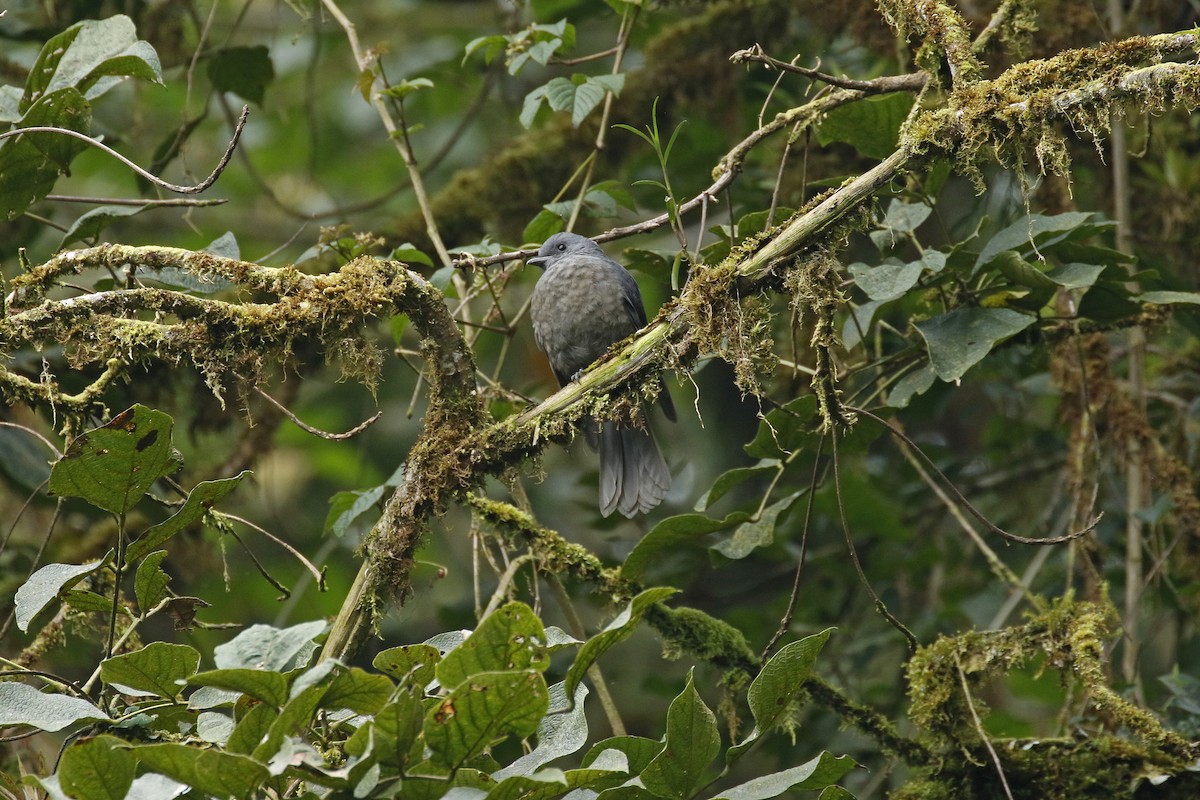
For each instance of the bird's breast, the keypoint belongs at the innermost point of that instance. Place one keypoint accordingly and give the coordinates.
(578, 311)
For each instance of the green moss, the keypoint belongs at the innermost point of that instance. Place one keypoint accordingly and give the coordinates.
(1069, 636)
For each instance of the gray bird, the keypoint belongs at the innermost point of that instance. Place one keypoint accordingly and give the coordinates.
(583, 303)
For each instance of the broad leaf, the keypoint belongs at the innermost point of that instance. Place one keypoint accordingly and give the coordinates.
(212, 772)
(150, 583)
(886, 281)
(91, 56)
(158, 669)
(755, 533)
(963, 337)
(511, 638)
(45, 585)
(1038, 230)
(411, 664)
(561, 732)
(263, 685)
(113, 466)
(96, 768)
(778, 684)
(21, 704)
(200, 499)
(30, 164)
(871, 125)
(91, 224)
(617, 630)
(819, 773)
(244, 71)
(692, 744)
(485, 708)
(264, 647)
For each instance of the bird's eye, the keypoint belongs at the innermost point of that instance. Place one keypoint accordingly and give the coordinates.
(562, 246)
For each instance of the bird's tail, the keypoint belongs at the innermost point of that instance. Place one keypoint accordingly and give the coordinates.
(633, 475)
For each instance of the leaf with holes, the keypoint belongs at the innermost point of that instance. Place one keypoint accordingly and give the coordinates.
(112, 467)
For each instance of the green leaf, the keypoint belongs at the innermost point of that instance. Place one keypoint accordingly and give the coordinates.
(871, 125)
(264, 685)
(84, 600)
(961, 338)
(560, 733)
(531, 104)
(819, 773)
(199, 500)
(733, 478)
(295, 716)
(357, 690)
(638, 751)
(409, 254)
(92, 57)
(23, 458)
(411, 664)
(616, 631)
(914, 383)
(90, 225)
(30, 164)
(777, 686)
(244, 71)
(394, 729)
(407, 87)
(672, 537)
(158, 669)
(490, 45)
(275, 649)
(45, 585)
(471, 717)
(903, 217)
(150, 583)
(886, 281)
(1037, 230)
(692, 744)
(213, 726)
(755, 533)
(1075, 276)
(212, 772)
(251, 729)
(96, 768)
(1022, 273)
(511, 638)
(543, 226)
(858, 324)
(1162, 298)
(113, 466)
(21, 704)
(579, 94)
(550, 783)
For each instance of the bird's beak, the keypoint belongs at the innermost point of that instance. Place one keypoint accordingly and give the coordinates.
(537, 261)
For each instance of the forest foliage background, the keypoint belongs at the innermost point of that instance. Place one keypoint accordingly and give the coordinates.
(981, 320)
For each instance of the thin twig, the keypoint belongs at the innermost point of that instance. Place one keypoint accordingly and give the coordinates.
(862, 576)
(157, 181)
(138, 201)
(357, 429)
(976, 513)
(785, 621)
(888, 83)
(982, 734)
(317, 574)
(505, 581)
